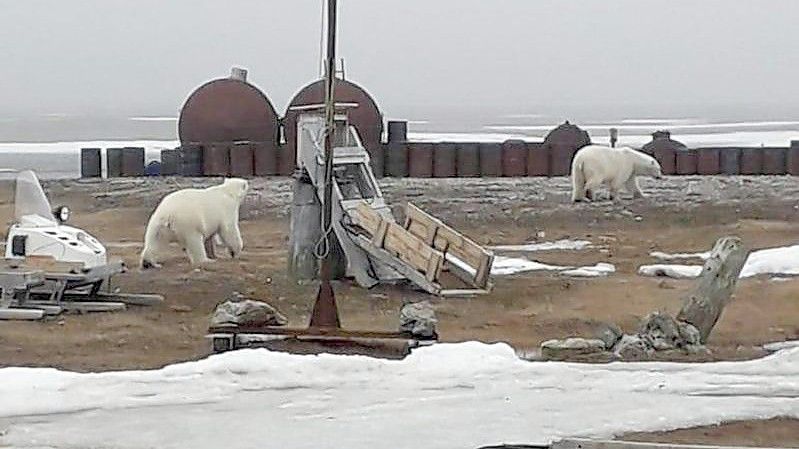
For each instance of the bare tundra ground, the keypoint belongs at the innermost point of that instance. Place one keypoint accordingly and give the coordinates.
(680, 214)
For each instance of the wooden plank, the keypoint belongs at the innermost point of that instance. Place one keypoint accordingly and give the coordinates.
(619, 444)
(403, 268)
(412, 250)
(379, 236)
(135, 299)
(82, 306)
(21, 314)
(367, 218)
(465, 292)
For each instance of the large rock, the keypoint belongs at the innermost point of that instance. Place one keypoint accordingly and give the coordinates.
(571, 347)
(239, 311)
(661, 331)
(418, 318)
(632, 347)
(610, 334)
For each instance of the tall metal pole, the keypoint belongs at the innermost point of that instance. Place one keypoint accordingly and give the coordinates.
(325, 313)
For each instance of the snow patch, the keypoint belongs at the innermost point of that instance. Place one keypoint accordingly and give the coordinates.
(557, 245)
(598, 270)
(309, 401)
(666, 256)
(671, 271)
(780, 261)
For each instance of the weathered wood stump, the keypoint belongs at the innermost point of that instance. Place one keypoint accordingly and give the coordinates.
(703, 307)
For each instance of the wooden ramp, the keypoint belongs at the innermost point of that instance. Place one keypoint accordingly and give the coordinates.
(422, 249)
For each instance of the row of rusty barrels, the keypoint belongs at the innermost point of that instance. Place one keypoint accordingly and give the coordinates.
(512, 158)
(730, 160)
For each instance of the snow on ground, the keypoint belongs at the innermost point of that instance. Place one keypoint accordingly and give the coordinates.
(666, 256)
(600, 269)
(777, 261)
(504, 266)
(557, 245)
(446, 396)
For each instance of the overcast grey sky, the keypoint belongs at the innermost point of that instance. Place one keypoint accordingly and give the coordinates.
(146, 56)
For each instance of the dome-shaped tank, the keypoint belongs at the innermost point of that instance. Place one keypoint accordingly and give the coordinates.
(227, 110)
(365, 117)
(562, 143)
(665, 149)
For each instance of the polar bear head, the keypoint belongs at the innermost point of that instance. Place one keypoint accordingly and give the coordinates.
(236, 187)
(645, 165)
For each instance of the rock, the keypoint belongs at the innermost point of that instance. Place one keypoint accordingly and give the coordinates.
(689, 334)
(661, 331)
(180, 308)
(610, 334)
(247, 312)
(632, 347)
(418, 318)
(571, 347)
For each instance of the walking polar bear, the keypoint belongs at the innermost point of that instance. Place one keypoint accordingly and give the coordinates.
(617, 168)
(190, 217)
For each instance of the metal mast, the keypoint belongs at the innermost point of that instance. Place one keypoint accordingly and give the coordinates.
(325, 313)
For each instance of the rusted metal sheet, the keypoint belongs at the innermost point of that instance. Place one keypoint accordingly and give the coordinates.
(686, 162)
(420, 160)
(265, 159)
(514, 158)
(793, 158)
(397, 159)
(445, 157)
(666, 157)
(170, 162)
(91, 163)
(242, 160)
(468, 160)
(774, 160)
(227, 110)
(366, 117)
(191, 160)
(751, 161)
(216, 159)
(708, 161)
(537, 159)
(490, 160)
(397, 131)
(132, 161)
(563, 142)
(730, 161)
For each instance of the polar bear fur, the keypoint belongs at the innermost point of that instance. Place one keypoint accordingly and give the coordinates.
(192, 216)
(616, 168)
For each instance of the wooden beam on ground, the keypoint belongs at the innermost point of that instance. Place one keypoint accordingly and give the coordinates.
(21, 314)
(619, 444)
(703, 307)
(394, 262)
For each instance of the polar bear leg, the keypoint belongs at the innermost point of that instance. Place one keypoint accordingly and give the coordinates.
(231, 238)
(194, 243)
(632, 186)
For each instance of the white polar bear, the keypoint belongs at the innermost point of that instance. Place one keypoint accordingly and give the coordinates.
(617, 168)
(192, 216)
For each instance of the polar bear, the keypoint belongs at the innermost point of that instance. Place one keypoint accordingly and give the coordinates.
(192, 216)
(595, 165)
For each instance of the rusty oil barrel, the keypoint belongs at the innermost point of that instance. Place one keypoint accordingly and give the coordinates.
(708, 161)
(445, 160)
(730, 161)
(113, 161)
(667, 159)
(265, 159)
(468, 160)
(91, 163)
(132, 161)
(397, 131)
(490, 160)
(560, 159)
(191, 160)
(774, 160)
(242, 160)
(751, 161)
(420, 160)
(170, 162)
(686, 162)
(537, 159)
(792, 162)
(514, 158)
(377, 159)
(216, 159)
(397, 159)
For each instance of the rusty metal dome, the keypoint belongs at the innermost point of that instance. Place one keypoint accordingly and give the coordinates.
(568, 134)
(661, 140)
(227, 110)
(365, 117)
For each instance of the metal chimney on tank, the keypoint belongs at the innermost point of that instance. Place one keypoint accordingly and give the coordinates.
(237, 73)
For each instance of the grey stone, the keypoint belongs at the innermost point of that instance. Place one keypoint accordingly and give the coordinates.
(661, 331)
(247, 312)
(632, 347)
(610, 334)
(571, 347)
(418, 318)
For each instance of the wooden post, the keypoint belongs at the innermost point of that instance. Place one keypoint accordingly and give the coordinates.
(305, 229)
(703, 307)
